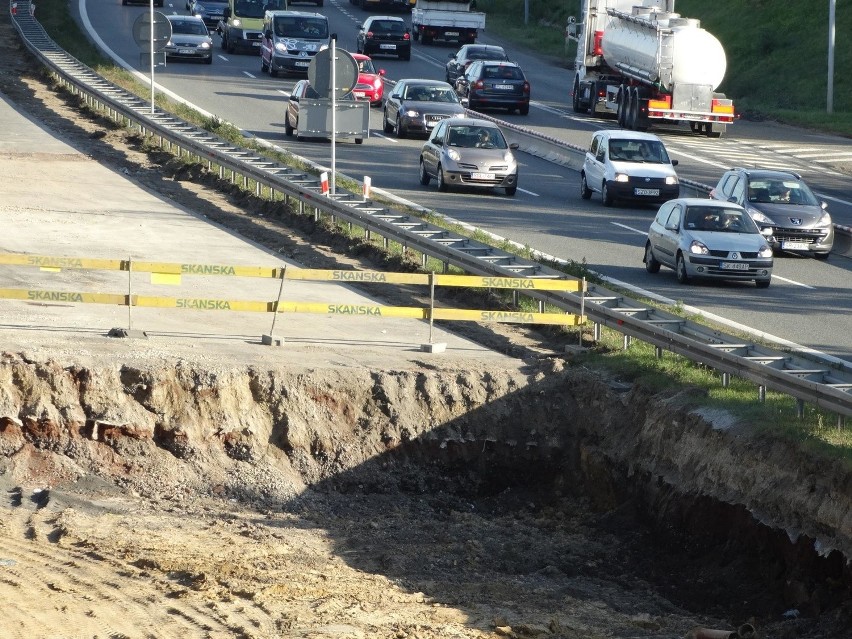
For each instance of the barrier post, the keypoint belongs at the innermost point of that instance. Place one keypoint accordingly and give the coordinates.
(129, 295)
(324, 182)
(367, 184)
(431, 347)
(271, 340)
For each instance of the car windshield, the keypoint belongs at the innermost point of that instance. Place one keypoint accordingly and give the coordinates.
(254, 8)
(648, 151)
(366, 66)
(487, 54)
(292, 27)
(714, 218)
(190, 27)
(388, 26)
(473, 137)
(425, 93)
(781, 191)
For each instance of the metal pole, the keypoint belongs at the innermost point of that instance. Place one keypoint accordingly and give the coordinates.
(830, 95)
(152, 56)
(526, 12)
(431, 302)
(129, 296)
(278, 301)
(333, 117)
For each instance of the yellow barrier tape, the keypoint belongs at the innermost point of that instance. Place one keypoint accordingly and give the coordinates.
(353, 310)
(206, 269)
(371, 277)
(50, 269)
(509, 317)
(17, 259)
(64, 297)
(523, 283)
(203, 304)
(168, 279)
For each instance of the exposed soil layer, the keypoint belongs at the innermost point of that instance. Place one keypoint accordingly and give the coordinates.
(176, 501)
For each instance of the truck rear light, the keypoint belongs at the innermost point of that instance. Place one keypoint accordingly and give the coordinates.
(722, 106)
(665, 103)
(596, 46)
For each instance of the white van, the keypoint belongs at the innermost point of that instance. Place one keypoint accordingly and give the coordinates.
(628, 165)
(290, 39)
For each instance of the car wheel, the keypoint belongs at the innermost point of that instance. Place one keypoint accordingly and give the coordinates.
(424, 176)
(585, 191)
(511, 190)
(319, 3)
(524, 110)
(263, 66)
(680, 269)
(400, 132)
(223, 42)
(651, 263)
(442, 184)
(230, 47)
(405, 56)
(821, 256)
(288, 130)
(606, 196)
(762, 283)
(387, 127)
(208, 60)
(359, 140)
(273, 72)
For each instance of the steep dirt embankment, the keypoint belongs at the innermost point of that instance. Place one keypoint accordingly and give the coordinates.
(263, 436)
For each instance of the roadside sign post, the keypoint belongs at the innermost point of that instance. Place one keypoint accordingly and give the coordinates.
(152, 31)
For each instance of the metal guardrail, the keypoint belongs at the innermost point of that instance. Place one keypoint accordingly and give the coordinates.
(808, 379)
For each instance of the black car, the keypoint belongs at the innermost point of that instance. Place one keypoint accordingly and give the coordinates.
(387, 35)
(417, 105)
(494, 85)
(782, 202)
(461, 59)
(211, 11)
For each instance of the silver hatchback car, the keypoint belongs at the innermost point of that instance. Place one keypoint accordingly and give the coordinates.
(701, 238)
(469, 152)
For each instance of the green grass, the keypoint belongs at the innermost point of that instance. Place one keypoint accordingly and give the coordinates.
(817, 431)
(777, 52)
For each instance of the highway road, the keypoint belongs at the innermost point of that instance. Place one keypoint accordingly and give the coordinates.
(809, 300)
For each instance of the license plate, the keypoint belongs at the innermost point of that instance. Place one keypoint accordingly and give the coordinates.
(452, 33)
(387, 46)
(186, 51)
(734, 266)
(646, 191)
(303, 64)
(794, 246)
(482, 176)
(359, 94)
(256, 43)
(503, 86)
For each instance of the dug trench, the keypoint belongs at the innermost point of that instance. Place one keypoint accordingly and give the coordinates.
(171, 499)
(463, 503)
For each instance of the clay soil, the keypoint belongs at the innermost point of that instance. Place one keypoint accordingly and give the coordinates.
(160, 499)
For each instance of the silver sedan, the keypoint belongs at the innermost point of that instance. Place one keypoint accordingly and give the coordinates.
(708, 239)
(190, 39)
(471, 153)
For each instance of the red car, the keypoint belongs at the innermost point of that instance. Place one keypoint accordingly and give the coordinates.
(370, 85)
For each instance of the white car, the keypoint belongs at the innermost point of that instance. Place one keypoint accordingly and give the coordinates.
(628, 165)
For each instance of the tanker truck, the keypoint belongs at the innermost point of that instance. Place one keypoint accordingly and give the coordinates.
(644, 63)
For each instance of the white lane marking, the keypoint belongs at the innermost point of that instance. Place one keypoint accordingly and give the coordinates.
(774, 276)
(718, 165)
(528, 192)
(385, 137)
(221, 57)
(251, 75)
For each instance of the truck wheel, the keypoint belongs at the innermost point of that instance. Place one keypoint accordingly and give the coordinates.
(633, 110)
(415, 33)
(620, 108)
(427, 39)
(593, 99)
(713, 131)
(576, 99)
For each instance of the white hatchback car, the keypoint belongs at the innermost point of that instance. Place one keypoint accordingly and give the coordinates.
(628, 165)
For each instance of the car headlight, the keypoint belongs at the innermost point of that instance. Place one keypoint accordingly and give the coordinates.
(757, 216)
(764, 251)
(453, 155)
(824, 220)
(621, 177)
(698, 248)
(509, 157)
(236, 22)
(204, 45)
(411, 113)
(280, 47)
(671, 179)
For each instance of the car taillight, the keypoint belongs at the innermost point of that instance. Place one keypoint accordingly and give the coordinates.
(526, 87)
(478, 84)
(407, 36)
(369, 34)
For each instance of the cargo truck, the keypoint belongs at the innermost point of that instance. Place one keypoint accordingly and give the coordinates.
(644, 63)
(446, 21)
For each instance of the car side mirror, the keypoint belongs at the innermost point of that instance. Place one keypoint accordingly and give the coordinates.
(452, 56)
(381, 71)
(823, 205)
(766, 232)
(514, 146)
(674, 162)
(732, 200)
(464, 102)
(294, 98)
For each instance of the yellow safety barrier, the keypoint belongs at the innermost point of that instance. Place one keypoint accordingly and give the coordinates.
(170, 273)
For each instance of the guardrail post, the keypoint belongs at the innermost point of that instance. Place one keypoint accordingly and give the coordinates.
(626, 342)
(540, 302)
(597, 331)
(726, 380)
(800, 408)
(761, 394)
(658, 352)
